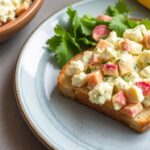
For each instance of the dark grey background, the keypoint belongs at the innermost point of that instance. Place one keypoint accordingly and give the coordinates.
(14, 133)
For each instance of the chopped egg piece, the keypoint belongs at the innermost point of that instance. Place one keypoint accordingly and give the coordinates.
(146, 101)
(121, 84)
(134, 94)
(130, 46)
(102, 44)
(134, 77)
(147, 39)
(75, 67)
(126, 64)
(135, 34)
(144, 58)
(79, 80)
(145, 72)
(112, 38)
(86, 56)
(95, 59)
(108, 54)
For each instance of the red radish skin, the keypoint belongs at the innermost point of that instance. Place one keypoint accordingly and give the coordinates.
(104, 18)
(144, 86)
(132, 110)
(100, 31)
(94, 60)
(110, 69)
(119, 99)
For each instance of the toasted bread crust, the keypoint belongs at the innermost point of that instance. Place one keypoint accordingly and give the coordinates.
(140, 123)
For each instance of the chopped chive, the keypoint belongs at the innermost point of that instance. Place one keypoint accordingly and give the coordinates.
(135, 66)
(118, 60)
(125, 79)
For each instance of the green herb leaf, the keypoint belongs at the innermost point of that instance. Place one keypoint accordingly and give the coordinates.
(64, 51)
(135, 66)
(125, 79)
(132, 23)
(120, 8)
(53, 43)
(146, 22)
(74, 21)
(59, 30)
(118, 24)
(87, 42)
(118, 60)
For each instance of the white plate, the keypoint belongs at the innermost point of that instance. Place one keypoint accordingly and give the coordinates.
(59, 122)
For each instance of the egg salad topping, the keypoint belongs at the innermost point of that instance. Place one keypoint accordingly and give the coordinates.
(10, 9)
(117, 71)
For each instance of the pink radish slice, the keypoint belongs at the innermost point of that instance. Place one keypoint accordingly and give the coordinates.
(104, 18)
(100, 31)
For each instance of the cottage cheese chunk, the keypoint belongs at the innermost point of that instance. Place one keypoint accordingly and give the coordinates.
(75, 67)
(101, 93)
(79, 80)
(108, 54)
(119, 83)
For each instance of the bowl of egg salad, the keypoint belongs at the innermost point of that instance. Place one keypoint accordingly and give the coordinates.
(15, 14)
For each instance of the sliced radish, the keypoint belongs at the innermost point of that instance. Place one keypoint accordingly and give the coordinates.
(144, 86)
(110, 69)
(119, 100)
(132, 110)
(94, 59)
(104, 18)
(100, 31)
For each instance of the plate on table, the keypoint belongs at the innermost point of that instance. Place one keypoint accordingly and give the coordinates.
(57, 121)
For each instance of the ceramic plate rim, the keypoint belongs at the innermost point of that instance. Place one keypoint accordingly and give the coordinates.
(22, 110)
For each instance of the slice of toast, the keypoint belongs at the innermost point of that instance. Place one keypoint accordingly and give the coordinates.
(140, 123)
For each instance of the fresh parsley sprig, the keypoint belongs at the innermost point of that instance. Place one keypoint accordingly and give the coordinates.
(66, 43)
(78, 36)
(120, 8)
